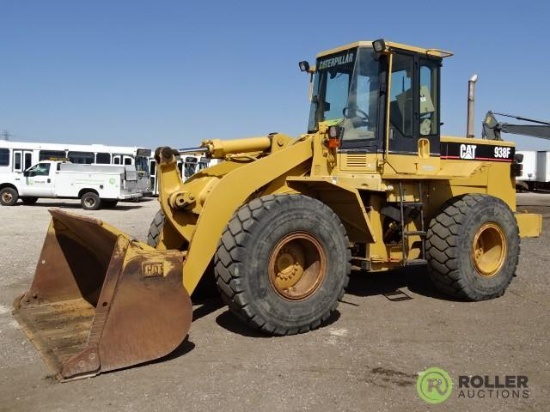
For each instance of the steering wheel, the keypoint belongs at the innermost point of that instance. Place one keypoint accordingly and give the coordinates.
(358, 113)
(359, 118)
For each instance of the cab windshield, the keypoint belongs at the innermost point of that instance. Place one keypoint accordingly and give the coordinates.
(346, 90)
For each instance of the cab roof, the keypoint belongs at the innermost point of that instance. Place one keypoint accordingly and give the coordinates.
(389, 45)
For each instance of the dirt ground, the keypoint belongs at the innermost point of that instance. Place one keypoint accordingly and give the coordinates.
(367, 358)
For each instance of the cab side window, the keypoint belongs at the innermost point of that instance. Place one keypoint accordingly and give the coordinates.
(429, 118)
(41, 169)
(401, 99)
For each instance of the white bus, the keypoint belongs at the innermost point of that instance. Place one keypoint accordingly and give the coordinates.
(188, 165)
(16, 157)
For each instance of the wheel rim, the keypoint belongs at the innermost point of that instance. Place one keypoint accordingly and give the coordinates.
(89, 202)
(7, 197)
(297, 266)
(490, 249)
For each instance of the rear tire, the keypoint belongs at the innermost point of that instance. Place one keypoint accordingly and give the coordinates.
(8, 196)
(29, 200)
(90, 201)
(472, 247)
(283, 263)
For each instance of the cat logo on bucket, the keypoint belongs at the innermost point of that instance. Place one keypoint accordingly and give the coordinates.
(152, 269)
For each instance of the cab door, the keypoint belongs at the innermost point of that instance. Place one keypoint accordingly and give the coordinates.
(413, 127)
(39, 180)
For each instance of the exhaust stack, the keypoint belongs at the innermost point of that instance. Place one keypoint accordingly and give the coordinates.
(471, 101)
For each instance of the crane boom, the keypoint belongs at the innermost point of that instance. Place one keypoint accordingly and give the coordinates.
(492, 128)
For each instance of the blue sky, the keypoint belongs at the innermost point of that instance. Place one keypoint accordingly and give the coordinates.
(169, 72)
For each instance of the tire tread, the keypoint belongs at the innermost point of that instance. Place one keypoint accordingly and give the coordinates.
(233, 244)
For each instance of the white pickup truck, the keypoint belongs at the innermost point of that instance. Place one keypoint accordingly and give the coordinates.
(94, 185)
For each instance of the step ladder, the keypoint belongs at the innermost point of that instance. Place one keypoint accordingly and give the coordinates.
(418, 210)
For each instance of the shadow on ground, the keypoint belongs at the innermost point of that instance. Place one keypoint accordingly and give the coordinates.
(395, 285)
(232, 323)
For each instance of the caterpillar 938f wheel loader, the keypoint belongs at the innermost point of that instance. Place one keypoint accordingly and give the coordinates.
(281, 221)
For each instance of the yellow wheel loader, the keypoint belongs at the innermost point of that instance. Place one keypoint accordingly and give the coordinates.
(280, 221)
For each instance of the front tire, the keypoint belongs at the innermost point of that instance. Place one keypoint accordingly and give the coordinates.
(283, 263)
(155, 229)
(472, 247)
(8, 196)
(207, 285)
(90, 201)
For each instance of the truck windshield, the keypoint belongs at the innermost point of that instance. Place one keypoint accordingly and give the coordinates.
(346, 90)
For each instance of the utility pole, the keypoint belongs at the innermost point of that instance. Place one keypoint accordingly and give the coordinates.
(6, 135)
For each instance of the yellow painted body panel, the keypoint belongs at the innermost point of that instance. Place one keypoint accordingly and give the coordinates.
(355, 185)
(530, 224)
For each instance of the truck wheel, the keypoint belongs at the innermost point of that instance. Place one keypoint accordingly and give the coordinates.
(283, 263)
(90, 201)
(472, 247)
(29, 200)
(8, 196)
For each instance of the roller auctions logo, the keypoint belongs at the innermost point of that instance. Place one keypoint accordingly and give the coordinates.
(434, 385)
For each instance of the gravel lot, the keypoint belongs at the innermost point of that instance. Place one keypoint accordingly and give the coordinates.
(367, 358)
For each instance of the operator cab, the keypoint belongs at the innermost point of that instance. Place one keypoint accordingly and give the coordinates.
(384, 96)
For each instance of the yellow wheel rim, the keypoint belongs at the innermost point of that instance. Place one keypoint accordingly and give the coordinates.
(490, 249)
(297, 266)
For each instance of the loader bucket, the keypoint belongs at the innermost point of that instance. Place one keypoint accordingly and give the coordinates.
(101, 301)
